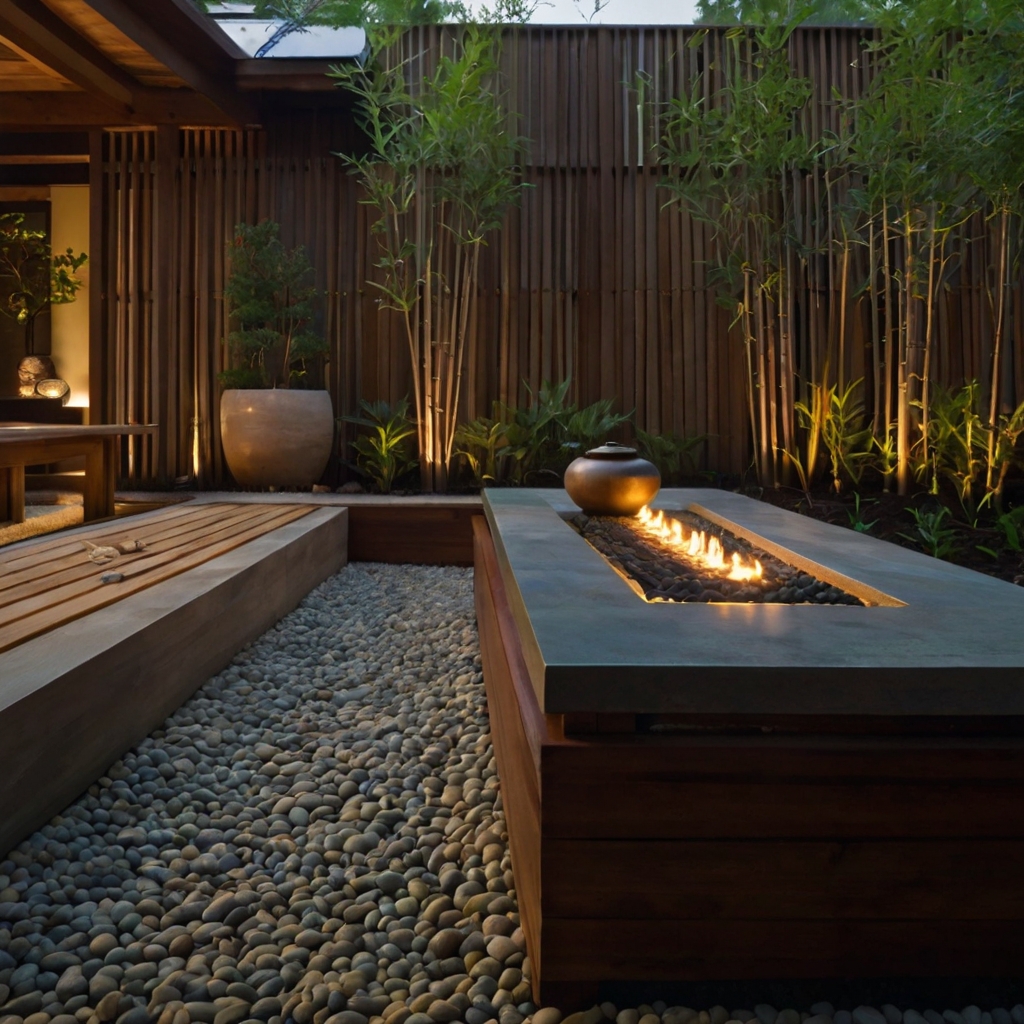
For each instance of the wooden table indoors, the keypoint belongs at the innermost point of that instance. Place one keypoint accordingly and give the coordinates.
(22, 446)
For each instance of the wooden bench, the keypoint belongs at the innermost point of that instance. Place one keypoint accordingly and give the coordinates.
(87, 668)
(55, 581)
(22, 446)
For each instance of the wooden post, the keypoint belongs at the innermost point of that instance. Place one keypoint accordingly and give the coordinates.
(12, 494)
(97, 278)
(162, 387)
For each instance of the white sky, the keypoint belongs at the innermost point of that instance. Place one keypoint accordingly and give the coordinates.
(616, 12)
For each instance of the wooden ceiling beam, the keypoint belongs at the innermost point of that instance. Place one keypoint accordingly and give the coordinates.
(34, 31)
(77, 111)
(294, 74)
(179, 36)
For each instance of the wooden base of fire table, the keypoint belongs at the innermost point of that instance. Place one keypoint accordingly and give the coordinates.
(741, 850)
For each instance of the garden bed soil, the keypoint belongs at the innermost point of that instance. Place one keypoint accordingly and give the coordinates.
(889, 517)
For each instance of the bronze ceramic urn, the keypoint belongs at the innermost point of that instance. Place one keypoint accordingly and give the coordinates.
(612, 481)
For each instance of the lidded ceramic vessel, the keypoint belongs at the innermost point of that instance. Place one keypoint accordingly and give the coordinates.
(612, 481)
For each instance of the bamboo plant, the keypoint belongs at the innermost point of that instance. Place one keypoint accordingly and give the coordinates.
(732, 156)
(440, 172)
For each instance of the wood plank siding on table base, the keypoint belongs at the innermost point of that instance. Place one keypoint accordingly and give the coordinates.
(642, 857)
(75, 697)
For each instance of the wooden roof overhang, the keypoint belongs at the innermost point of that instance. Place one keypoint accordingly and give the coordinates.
(73, 65)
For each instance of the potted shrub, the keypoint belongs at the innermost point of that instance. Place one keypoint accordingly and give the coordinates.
(274, 433)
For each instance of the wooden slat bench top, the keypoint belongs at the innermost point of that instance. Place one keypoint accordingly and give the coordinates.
(49, 583)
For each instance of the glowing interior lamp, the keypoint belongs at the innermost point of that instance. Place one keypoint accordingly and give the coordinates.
(54, 387)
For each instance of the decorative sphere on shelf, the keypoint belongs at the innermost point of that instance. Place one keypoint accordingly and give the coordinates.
(612, 481)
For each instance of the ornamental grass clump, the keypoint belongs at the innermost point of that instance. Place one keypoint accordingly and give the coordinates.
(272, 295)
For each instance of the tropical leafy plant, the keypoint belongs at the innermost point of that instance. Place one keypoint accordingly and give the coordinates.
(1010, 529)
(856, 515)
(485, 446)
(933, 532)
(32, 276)
(957, 440)
(1002, 452)
(551, 431)
(535, 443)
(673, 454)
(884, 456)
(844, 435)
(383, 452)
(271, 295)
(1011, 525)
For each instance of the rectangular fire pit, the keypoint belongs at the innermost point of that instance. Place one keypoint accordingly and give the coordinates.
(726, 791)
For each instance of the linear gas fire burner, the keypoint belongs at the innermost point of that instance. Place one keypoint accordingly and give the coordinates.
(826, 785)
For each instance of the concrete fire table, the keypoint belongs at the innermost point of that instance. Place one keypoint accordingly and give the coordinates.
(740, 791)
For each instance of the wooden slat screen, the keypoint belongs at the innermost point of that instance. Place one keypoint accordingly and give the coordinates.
(591, 278)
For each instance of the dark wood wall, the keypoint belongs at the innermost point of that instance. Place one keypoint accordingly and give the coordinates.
(591, 278)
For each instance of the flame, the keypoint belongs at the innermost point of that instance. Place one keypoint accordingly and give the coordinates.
(707, 550)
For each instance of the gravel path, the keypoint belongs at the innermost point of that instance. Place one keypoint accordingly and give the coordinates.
(315, 838)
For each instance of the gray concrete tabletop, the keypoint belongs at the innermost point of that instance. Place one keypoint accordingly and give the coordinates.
(934, 638)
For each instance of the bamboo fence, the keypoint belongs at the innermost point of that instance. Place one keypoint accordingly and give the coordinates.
(591, 278)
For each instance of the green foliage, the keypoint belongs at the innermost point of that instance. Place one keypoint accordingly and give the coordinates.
(725, 154)
(1011, 525)
(957, 438)
(440, 172)
(383, 453)
(729, 156)
(674, 455)
(294, 14)
(752, 12)
(856, 516)
(1010, 530)
(812, 419)
(933, 532)
(535, 444)
(552, 431)
(844, 435)
(884, 456)
(485, 446)
(834, 420)
(271, 296)
(32, 276)
(1004, 448)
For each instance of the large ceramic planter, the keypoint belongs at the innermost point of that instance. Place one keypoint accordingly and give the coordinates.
(276, 438)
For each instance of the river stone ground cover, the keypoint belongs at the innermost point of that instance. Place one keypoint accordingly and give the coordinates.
(316, 837)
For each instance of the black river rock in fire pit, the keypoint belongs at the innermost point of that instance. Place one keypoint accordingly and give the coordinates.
(665, 572)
